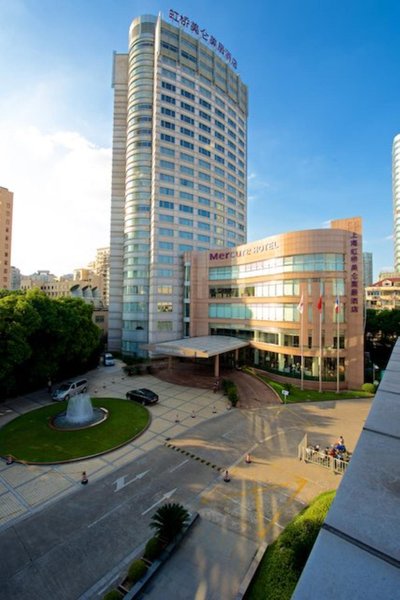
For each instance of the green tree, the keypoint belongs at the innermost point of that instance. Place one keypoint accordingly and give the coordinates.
(42, 337)
(382, 328)
(169, 520)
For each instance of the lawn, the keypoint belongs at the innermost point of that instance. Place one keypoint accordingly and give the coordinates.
(283, 562)
(298, 395)
(30, 438)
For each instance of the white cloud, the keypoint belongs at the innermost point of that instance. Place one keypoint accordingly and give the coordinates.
(62, 189)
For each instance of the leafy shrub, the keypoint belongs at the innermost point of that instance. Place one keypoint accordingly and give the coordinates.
(226, 384)
(136, 570)
(368, 387)
(233, 395)
(113, 595)
(153, 549)
(288, 387)
(284, 560)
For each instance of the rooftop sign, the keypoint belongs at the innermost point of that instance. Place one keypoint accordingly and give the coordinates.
(202, 34)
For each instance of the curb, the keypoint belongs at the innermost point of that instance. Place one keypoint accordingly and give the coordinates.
(251, 571)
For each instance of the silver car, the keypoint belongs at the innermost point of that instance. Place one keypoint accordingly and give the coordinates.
(70, 388)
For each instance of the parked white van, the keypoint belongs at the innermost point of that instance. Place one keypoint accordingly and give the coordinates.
(70, 388)
(108, 360)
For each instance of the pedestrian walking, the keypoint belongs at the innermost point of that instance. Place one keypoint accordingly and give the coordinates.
(9, 460)
(248, 459)
(226, 476)
(84, 478)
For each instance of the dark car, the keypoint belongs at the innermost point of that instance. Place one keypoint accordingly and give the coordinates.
(143, 395)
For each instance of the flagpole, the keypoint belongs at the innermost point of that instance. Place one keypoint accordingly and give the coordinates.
(337, 345)
(320, 350)
(301, 353)
(301, 350)
(300, 308)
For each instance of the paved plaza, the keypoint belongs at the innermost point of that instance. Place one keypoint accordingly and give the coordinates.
(25, 488)
(53, 528)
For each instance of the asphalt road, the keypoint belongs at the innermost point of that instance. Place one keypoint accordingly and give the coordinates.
(90, 535)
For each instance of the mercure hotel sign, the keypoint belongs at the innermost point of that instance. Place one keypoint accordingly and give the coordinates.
(241, 252)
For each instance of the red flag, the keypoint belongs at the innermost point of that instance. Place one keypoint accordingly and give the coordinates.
(319, 305)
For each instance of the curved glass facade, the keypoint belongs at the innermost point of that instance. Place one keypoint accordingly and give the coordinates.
(186, 173)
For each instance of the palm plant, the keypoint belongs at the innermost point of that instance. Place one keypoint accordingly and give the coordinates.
(169, 520)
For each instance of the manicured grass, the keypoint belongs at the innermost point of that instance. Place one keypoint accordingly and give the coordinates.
(298, 395)
(30, 438)
(284, 560)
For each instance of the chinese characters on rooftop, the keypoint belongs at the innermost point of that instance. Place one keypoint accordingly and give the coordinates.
(203, 34)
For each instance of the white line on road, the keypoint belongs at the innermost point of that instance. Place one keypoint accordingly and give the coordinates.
(166, 496)
(120, 482)
(177, 466)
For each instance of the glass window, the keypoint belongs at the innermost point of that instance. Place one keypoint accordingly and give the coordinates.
(186, 208)
(187, 182)
(204, 151)
(187, 119)
(187, 106)
(165, 177)
(166, 232)
(164, 325)
(186, 170)
(167, 151)
(187, 94)
(203, 213)
(186, 131)
(168, 86)
(187, 157)
(164, 306)
(187, 222)
(167, 191)
(165, 259)
(204, 127)
(168, 125)
(204, 164)
(166, 164)
(167, 138)
(185, 196)
(168, 99)
(187, 144)
(165, 204)
(187, 235)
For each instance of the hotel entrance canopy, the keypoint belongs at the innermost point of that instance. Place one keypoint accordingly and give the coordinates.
(199, 347)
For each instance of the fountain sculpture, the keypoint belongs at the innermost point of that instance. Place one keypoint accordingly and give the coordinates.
(79, 414)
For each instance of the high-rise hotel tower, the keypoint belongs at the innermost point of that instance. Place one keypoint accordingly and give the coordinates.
(178, 173)
(396, 200)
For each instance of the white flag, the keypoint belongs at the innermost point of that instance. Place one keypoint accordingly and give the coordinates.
(300, 305)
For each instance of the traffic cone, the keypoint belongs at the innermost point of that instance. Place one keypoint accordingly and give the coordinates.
(226, 477)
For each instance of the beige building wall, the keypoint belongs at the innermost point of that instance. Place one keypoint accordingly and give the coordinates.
(6, 215)
(344, 243)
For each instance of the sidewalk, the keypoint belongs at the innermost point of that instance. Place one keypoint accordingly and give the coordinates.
(24, 489)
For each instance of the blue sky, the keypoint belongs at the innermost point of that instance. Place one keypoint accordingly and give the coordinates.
(324, 107)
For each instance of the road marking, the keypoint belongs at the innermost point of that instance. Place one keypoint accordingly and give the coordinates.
(274, 521)
(177, 466)
(166, 496)
(121, 483)
(107, 514)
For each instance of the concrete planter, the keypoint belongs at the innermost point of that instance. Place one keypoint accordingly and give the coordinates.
(137, 587)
